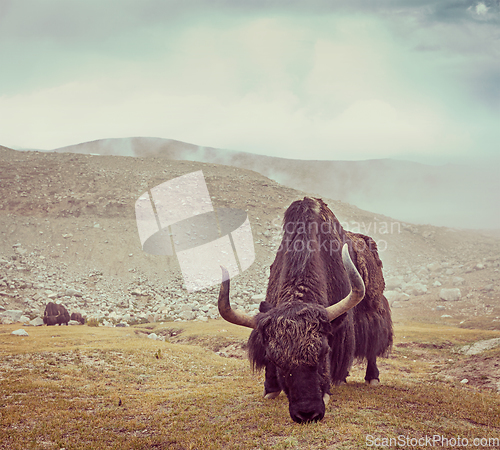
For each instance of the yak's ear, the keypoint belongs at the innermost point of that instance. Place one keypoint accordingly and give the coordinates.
(257, 350)
(265, 307)
(258, 340)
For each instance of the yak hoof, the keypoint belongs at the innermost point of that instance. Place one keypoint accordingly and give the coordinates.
(271, 395)
(374, 382)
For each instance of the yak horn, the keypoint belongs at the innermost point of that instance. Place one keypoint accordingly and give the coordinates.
(357, 288)
(225, 310)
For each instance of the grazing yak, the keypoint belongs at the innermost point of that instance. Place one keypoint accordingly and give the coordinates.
(324, 307)
(78, 317)
(55, 314)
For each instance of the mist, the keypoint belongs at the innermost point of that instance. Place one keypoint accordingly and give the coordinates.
(450, 195)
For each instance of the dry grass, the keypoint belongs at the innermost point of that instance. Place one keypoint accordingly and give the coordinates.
(113, 388)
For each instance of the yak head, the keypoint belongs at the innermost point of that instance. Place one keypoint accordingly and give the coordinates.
(291, 342)
(50, 320)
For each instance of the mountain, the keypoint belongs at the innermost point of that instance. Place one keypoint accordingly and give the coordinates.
(456, 196)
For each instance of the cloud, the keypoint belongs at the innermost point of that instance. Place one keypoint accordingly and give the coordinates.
(481, 9)
(321, 81)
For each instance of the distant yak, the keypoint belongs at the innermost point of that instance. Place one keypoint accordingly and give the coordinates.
(55, 314)
(78, 317)
(324, 307)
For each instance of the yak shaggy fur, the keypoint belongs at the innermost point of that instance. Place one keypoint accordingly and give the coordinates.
(308, 275)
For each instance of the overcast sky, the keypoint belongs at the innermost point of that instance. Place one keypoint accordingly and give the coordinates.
(407, 79)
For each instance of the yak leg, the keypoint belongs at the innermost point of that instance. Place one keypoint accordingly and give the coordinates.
(271, 385)
(372, 372)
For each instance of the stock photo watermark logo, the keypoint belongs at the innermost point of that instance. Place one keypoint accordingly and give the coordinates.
(177, 218)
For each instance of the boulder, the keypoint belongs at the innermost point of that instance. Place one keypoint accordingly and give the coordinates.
(13, 314)
(392, 283)
(36, 322)
(187, 315)
(20, 332)
(480, 346)
(73, 293)
(415, 289)
(395, 296)
(450, 295)
(257, 298)
(434, 267)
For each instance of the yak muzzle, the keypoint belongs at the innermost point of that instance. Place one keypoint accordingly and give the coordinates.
(306, 412)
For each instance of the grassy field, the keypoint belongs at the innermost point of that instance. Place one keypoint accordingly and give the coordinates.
(113, 388)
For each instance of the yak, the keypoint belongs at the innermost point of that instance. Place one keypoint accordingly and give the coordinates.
(55, 314)
(78, 317)
(324, 308)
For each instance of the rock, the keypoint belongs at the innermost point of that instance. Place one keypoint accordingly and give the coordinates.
(450, 295)
(445, 316)
(73, 293)
(36, 322)
(12, 314)
(479, 266)
(489, 288)
(395, 296)
(440, 308)
(20, 332)
(464, 381)
(24, 319)
(457, 281)
(187, 315)
(434, 267)
(187, 307)
(74, 322)
(416, 289)
(392, 283)
(437, 283)
(480, 346)
(153, 336)
(257, 298)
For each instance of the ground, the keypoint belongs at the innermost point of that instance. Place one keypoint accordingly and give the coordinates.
(67, 222)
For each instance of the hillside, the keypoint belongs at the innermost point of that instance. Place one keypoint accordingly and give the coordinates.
(458, 196)
(68, 232)
(175, 376)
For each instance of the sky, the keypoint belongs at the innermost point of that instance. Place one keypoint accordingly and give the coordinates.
(335, 80)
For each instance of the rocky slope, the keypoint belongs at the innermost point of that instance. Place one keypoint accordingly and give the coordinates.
(452, 195)
(68, 234)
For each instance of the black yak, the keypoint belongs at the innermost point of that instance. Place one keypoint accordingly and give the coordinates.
(324, 307)
(55, 314)
(78, 317)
